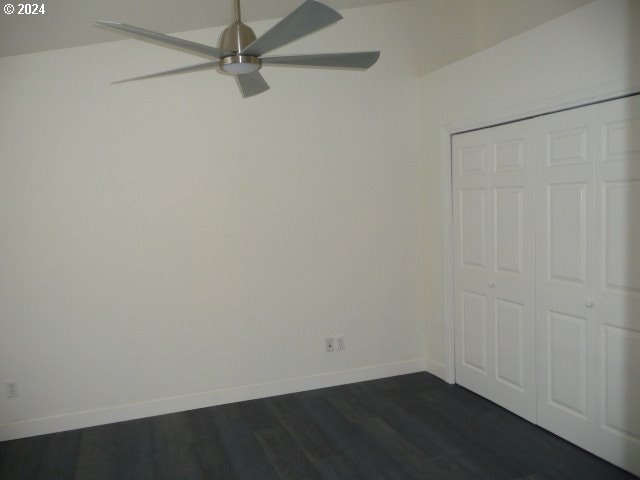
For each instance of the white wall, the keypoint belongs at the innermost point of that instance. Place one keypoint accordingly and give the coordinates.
(167, 245)
(595, 48)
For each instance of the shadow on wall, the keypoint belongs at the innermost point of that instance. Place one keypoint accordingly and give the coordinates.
(629, 335)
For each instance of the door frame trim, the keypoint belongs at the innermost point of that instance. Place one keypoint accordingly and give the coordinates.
(545, 106)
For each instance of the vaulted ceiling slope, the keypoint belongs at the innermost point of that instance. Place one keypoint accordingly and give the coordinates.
(70, 23)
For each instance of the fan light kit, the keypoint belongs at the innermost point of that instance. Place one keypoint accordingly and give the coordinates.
(241, 54)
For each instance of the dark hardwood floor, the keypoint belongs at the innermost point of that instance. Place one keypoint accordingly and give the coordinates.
(408, 427)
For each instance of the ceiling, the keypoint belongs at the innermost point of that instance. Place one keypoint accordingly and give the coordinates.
(69, 23)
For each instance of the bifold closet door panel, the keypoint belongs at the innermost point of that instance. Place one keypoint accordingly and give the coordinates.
(617, 299)
(565, 274)
(471, 233)
(511, 272)
(493, 231)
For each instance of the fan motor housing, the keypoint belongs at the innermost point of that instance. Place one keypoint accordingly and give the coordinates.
(236, 37)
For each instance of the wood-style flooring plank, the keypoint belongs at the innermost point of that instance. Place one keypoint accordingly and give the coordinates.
(335, 468)
(96, 454)
(361, 453)
(21, 458)
(305, 432)
(247, 458)
(173, 449)
(287, 458)
(208, 448)
(133, 451)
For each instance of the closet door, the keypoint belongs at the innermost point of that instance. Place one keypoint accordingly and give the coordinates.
(617, 299)
(493, 277)
(561, 348)
(565, 274)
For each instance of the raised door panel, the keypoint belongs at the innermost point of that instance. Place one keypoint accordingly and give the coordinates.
(472, 160)
(567, 366)
(621, 395)
(508, 154)
(565, 146)
(473, 221)
(567, 232)
(621, 236)
(620, 140)
(510, 338)
(474, 331)
(617, 302)
(509, 230)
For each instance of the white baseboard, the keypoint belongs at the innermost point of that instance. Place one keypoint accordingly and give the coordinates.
(435, 368)
(119, 413)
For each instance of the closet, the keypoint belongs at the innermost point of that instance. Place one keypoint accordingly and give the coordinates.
(546, 228)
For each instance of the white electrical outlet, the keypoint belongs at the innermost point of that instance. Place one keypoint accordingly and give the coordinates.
(329, 344)
(12, 388)
(340, 343)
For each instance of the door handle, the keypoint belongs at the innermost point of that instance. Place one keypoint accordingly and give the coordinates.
(491, 284)
(588, 303)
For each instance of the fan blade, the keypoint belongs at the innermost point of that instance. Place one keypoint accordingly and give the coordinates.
(307, 18)
(355, 60)
(166, 40)
(251, 84)
(177, 71)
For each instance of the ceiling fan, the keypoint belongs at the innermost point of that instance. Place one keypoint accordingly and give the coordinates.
(241, 54)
